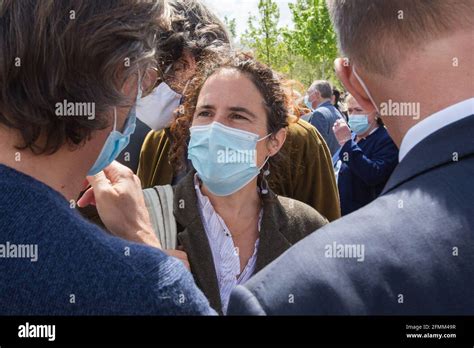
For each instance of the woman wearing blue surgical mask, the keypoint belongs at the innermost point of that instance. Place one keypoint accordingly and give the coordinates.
(366, 159)
(230, 224)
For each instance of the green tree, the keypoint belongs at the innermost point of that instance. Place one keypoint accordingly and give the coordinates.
(305, 52)
(231, 25)
(263, 35)
(313, 38)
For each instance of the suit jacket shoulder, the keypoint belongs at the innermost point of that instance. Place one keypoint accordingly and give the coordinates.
(401, 254)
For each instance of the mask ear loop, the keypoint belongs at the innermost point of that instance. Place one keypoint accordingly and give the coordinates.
(115, 118)
(364, 86)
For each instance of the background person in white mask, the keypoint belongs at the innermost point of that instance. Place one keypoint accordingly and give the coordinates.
(367, 157)
(154, 112)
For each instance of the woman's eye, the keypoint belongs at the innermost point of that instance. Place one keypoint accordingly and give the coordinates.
(238, 117)
(204, 114)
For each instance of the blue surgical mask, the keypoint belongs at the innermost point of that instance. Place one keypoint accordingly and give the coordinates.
(116, 141)
(225, 158)
(359, 124)
(308, 104)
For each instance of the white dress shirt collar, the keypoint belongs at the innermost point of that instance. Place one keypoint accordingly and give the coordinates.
(435, 122)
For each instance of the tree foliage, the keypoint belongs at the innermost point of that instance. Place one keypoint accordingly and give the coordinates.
(313, 37)
(262, 34)
(231, 25)
(304, 52)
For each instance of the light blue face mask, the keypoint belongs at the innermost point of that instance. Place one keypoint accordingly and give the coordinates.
(224, 157)
(359, 124)
(308, 104)
(116, 141)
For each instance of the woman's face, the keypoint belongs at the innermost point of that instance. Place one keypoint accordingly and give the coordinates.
(353, 108)
(231, 98)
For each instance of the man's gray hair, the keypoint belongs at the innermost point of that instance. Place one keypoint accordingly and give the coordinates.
(323, 87)
(378, 34)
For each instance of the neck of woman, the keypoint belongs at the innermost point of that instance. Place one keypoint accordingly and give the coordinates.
(243, 204)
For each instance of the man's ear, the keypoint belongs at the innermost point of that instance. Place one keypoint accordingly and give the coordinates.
(346, 76)
(276, 142)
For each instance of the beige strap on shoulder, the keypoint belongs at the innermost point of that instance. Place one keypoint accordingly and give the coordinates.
(159, 202)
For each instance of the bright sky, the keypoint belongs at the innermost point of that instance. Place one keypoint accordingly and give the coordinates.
(240, 10)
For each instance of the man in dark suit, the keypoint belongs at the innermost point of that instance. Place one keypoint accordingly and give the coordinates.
(411, 250)
(325, 114)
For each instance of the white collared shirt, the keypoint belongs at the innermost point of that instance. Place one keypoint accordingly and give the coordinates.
(435, 122)
(226, 258)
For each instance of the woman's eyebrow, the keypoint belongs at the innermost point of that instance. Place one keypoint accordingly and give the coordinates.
(242, 109)
(207, 106)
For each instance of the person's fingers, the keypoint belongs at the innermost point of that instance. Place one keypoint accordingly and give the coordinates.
(87, 198)
(100, 183)
(117, 171)
(85, 185)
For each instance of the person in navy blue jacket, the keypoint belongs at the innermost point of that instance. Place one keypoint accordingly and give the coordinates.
(366, 160)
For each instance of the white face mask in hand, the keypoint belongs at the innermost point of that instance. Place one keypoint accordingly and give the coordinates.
(157, 109)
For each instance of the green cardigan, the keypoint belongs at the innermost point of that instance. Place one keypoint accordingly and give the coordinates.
(285, 221)
(308, 176)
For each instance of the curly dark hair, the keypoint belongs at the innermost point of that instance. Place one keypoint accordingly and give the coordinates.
(269, 84)
(195, 29)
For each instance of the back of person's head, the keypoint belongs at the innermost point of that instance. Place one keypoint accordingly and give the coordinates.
(397, 52)
(323, 87)
(79, 51)
(378, 35)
